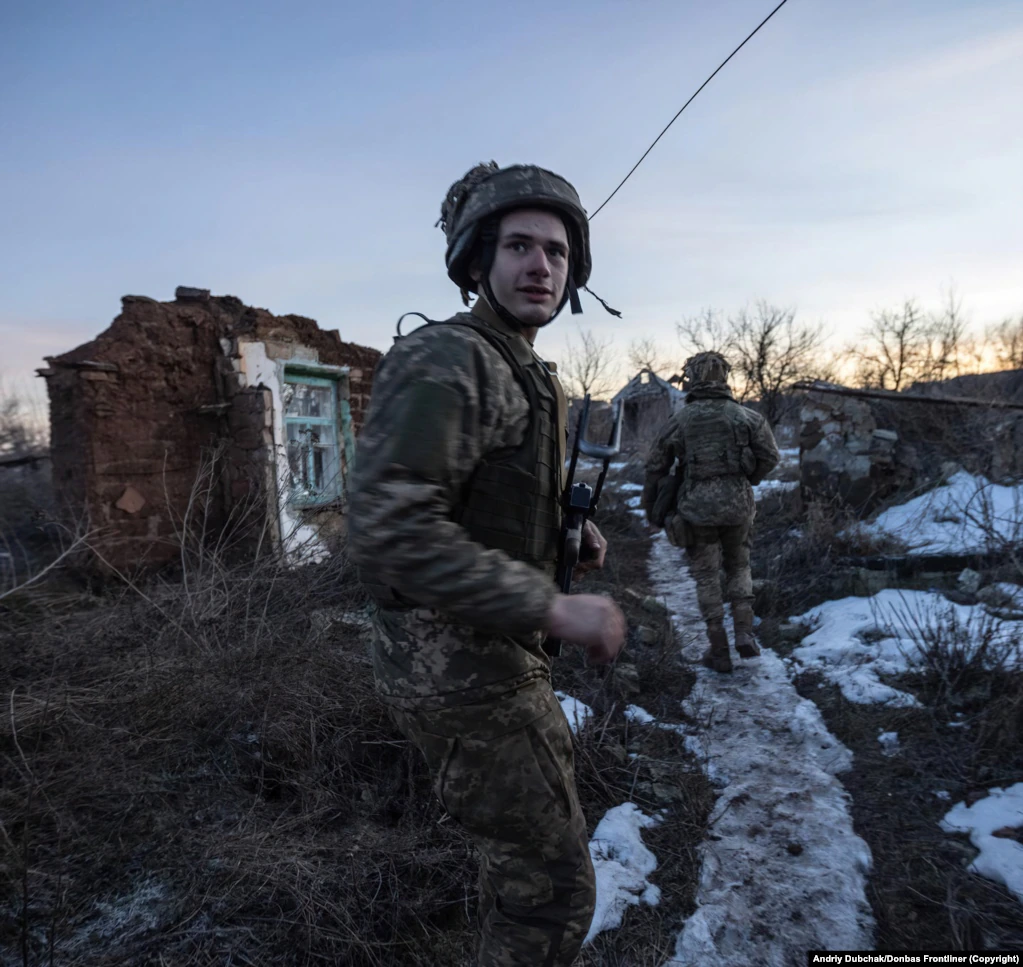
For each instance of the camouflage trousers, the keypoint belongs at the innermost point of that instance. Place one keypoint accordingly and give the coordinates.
(504, 771)
(710, 547)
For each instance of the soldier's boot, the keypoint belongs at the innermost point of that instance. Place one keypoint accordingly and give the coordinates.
(716, 657)
(745, 643)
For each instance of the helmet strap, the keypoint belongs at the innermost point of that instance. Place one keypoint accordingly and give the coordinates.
(614, 312)
(502, 312)
(488, 250)
(573, 296)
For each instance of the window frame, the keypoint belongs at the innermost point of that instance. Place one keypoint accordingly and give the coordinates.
(310, 376)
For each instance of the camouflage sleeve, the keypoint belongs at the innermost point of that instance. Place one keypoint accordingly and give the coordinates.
(427, 427)
(662, 455)
(765, 450)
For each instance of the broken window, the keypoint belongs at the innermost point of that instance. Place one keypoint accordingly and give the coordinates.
(311, 421)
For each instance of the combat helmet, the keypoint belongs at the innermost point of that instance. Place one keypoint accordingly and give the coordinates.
(706, 367)
(471, 212)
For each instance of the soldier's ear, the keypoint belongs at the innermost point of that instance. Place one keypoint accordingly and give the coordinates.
(475, 272)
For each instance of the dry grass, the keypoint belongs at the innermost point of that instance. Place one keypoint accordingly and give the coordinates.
(648, 673)
(200, 772)
(798, 551)
(28, 539)
(922, 894)
(205, 775)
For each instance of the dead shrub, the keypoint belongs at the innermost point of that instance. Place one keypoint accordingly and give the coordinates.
(203, 769)
(198, 769)
(962, 659)
(799, 549)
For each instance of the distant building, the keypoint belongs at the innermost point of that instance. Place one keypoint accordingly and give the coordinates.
(191, 414)
(647, 402)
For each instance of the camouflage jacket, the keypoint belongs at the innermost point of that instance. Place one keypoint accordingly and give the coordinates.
(470, 627)
(734, 443)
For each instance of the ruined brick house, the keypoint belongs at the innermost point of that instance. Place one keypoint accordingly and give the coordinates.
(647, 402)
(202, 412)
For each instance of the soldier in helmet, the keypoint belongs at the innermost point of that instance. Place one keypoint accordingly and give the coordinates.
(455, 515)
(722, 448)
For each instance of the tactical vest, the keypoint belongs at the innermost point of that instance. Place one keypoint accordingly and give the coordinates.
(512, 500)
(716, 444)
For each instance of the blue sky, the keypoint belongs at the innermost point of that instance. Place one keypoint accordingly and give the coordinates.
(851, 156)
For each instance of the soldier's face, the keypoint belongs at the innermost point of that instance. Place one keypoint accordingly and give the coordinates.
(530, 267)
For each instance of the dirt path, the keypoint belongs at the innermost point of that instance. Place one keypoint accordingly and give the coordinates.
(783, 871)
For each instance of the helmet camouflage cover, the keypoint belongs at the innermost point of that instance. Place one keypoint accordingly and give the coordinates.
(707, 367)
(488, 190)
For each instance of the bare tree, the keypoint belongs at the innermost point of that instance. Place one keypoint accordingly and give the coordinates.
(947, 343)
(646, 354)
(589, 365)
(704, 332)
(903, 346)
(1006, 342)
(769, 351)
(19, 433)
(894, 350)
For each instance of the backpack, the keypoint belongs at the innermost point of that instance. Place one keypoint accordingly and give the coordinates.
(716, 444)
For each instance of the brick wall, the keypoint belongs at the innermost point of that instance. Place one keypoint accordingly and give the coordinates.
(136, 412)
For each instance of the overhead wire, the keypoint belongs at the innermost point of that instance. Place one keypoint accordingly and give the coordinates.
(690, 101)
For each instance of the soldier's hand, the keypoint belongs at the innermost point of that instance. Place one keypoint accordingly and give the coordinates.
(590, 620)
(592, 552)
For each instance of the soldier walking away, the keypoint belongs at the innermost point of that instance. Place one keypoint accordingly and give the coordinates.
(707, 506)
(454, 524)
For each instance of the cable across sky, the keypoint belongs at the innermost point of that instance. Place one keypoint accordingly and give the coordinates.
(690, 101)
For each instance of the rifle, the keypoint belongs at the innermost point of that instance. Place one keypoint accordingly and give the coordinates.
(579, 501)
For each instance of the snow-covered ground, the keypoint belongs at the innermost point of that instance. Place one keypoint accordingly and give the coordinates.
(783, 871)
(621, 861)
(965, 515)
(578, 713)
(857, 641)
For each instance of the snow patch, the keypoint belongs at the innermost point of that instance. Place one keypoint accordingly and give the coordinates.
(636, 714)
(857, 640)
(622, 863)
(889, 743)
(966, 515)
(766, 487)
(1001, 857)
(577, 713)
